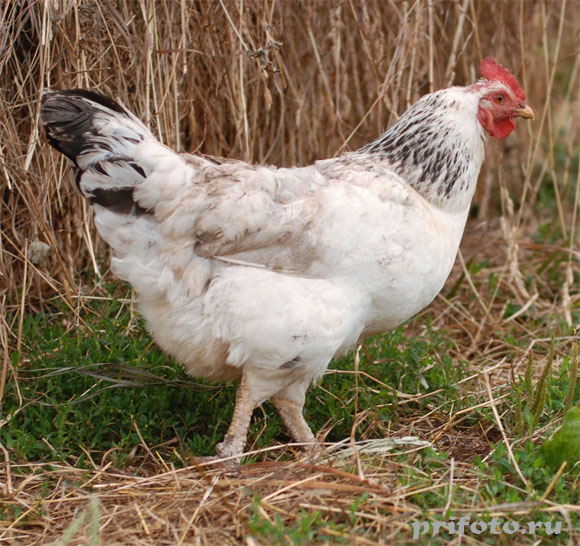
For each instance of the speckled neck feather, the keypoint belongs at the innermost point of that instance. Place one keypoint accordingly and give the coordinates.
(431, 151)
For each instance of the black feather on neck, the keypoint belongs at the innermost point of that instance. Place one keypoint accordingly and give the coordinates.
(426, 150)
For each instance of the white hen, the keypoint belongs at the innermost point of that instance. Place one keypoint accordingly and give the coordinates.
(263, 274)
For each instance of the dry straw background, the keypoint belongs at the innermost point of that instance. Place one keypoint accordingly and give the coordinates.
(286, 83)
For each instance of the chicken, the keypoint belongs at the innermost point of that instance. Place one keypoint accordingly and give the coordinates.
(263, 274)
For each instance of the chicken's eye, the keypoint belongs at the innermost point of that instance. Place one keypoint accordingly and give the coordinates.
(499, 99)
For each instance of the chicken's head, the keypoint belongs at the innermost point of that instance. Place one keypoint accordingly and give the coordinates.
(501, 100)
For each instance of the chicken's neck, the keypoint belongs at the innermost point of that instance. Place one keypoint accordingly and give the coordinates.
(437, 147)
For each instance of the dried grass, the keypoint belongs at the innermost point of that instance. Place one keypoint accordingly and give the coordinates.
(213, 507)
(284, 83)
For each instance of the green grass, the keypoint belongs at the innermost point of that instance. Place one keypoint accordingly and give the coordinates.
(55, 420)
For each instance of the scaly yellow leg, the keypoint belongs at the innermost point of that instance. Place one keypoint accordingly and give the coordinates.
(291, 414)
(235, 439)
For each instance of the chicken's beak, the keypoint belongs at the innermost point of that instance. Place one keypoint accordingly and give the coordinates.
(524, 112)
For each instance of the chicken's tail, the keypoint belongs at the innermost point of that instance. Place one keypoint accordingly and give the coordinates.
(123, 170)
(113, 152)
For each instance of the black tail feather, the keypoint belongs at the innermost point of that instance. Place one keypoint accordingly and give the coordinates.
(68, 117)
(100, 137)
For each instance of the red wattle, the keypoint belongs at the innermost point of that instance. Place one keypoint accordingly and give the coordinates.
(503, 128)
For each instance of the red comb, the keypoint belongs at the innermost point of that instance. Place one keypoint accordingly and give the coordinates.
(493, 71)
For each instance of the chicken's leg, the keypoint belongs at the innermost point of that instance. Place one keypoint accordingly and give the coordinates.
(235, 439)
(291, 413)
